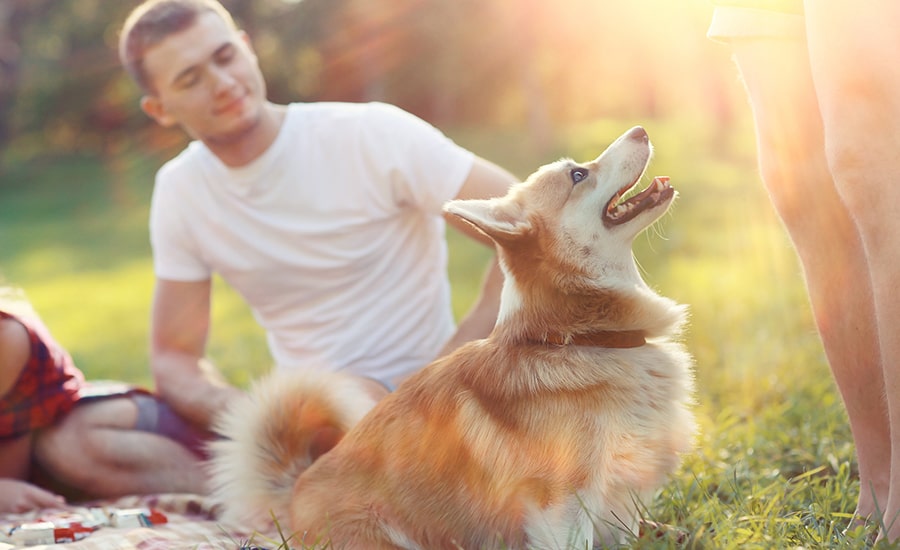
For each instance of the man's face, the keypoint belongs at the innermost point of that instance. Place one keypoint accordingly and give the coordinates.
(206, 79)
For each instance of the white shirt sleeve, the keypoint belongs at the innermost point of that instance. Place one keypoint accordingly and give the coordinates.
(426, 168)
(175, 256)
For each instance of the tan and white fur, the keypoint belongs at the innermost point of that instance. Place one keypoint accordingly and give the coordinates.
(550, 433)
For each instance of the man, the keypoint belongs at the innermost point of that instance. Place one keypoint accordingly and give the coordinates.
(325, 217)
(823, 82)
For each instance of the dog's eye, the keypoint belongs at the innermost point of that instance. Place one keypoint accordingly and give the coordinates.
(578, 174)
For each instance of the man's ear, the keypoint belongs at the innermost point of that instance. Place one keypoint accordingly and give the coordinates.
(154, 108)
(500, 219)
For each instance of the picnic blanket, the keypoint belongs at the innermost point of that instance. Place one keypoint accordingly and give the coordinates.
(176, 521)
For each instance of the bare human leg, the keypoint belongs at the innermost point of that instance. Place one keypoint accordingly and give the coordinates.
(95, 449)
(795, 171)
(858, 85)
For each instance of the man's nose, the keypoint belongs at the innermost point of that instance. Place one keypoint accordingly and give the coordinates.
(222, 79)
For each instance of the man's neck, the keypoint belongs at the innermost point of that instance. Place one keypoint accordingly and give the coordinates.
(241, 152)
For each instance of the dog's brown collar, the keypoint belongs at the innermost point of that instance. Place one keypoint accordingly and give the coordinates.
(600, 339)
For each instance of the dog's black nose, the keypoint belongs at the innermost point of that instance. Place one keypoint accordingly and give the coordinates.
(638, 134)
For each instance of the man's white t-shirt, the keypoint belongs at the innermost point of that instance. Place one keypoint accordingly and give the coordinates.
(334, 236)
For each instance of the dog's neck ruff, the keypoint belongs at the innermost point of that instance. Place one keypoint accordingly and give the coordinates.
(600, 339)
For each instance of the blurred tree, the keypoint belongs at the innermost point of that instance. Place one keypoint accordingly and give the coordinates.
(522, 64)
(12, 13)
(62, 100)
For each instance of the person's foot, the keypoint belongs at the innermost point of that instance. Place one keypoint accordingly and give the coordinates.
(872, 502)
(889, 526)
(860, 529)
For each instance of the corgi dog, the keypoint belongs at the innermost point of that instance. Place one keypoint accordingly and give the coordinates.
(553, 432)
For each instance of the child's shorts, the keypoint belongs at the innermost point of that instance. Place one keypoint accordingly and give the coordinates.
(154, 415)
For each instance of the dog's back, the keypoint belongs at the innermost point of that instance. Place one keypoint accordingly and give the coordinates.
(463, 459)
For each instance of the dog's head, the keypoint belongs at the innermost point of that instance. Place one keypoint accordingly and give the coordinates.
(565, 240)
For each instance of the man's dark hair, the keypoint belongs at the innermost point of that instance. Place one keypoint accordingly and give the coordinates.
(154, 20)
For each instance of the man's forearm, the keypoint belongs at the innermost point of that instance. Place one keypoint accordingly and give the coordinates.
(480, 320)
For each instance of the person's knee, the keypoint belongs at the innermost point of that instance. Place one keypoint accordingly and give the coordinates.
(70, 449)
(61, 451)
(856, 168)
(790, 151)
(799, 186)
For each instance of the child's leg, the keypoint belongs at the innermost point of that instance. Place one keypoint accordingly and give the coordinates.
(97, 450)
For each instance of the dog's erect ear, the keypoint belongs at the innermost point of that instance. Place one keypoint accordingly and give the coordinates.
(498, 218)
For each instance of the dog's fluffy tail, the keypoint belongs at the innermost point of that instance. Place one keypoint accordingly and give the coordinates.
(273, 434)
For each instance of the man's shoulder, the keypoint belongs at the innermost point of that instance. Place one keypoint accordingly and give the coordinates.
(178, 178)
(178, 167)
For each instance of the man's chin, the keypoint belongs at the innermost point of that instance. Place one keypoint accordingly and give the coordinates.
(239, 129)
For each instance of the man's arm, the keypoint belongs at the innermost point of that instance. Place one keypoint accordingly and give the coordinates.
(485, 180)
(185, 379)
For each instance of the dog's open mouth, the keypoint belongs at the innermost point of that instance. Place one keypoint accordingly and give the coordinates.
(619, 211)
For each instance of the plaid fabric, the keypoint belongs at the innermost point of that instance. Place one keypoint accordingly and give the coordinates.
(191, 524)
(46, 389)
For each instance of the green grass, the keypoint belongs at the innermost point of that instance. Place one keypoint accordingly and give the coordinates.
(774, 463)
